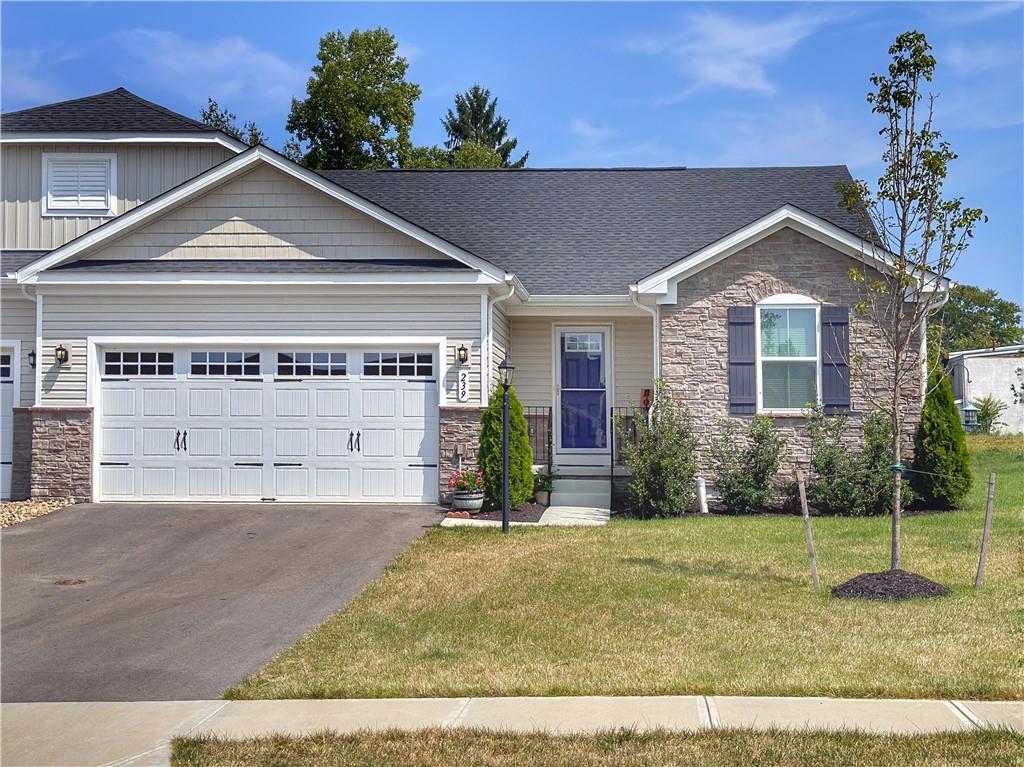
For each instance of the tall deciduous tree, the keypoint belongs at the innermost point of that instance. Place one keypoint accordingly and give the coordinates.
(975, 319)
(914, 229)
(358, 109)
(222, 119)
(475, 119)
(469, 155)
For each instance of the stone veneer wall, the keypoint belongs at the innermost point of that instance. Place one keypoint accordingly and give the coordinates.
(694, 333)
(52, 453)
(459, 426)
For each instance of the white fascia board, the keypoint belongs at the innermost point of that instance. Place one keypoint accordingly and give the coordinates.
(580, 300)
(233, 167)
(121, 137)
(255, 278)
(663, 282)
(999, 351)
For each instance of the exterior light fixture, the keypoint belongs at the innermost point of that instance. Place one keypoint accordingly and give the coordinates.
(970, 417)
(60, 355)
(462, 354)
(32, 358)
(505, 371)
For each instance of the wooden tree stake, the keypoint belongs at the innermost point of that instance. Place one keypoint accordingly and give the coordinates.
(807, 530)
(988, 529)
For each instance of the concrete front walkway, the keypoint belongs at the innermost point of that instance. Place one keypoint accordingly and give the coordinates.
(56, 734)
(553, 516)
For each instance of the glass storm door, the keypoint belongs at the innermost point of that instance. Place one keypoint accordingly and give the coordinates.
(583, 412)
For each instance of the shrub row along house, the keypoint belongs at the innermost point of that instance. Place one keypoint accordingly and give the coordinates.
(186, 318)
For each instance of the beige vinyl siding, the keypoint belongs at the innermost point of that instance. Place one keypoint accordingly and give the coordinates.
(18, 323)
(500, 347)
(143, 172)
(266, 214)
(532, 349)
(70, 320)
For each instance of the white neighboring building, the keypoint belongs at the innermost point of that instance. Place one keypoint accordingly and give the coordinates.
(995, 372)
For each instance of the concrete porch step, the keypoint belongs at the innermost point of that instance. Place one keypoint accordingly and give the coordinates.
(593, 492)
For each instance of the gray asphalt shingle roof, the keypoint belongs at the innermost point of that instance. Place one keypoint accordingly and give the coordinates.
(261, 266)
(594, 232)
(116, 110)
(12, 260)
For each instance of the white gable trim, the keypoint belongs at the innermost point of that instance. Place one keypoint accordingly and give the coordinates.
(229, 169)
(663, 283)
(121, 137)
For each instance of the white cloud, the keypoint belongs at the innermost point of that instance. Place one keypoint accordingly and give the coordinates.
(26, 83)
(719, 51)
(246, 79)
(969, 60)
(589, 132)
(960, 14)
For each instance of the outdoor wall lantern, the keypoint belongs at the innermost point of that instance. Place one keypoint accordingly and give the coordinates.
(32, 358)
(462, 354)
(60, 355)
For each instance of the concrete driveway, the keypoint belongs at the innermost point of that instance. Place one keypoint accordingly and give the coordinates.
(178, 601)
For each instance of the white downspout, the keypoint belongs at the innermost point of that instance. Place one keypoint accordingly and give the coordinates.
(634, 296)
(490, 335)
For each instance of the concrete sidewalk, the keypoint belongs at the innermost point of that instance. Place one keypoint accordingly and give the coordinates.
(57, 734)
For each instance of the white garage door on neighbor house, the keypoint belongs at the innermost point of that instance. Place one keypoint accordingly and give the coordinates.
(284, 424)
(8, 400)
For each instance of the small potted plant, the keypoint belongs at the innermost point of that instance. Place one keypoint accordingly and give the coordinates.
(543, 483)
(467, 490)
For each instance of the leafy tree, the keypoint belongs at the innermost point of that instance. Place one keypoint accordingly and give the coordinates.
(468, 155)
(358, 109)
(475, 119)
(520, 454)
(975, 318)
(744, 472)
(942, 472)
(912, 228)
(660, 453)
(225, 121)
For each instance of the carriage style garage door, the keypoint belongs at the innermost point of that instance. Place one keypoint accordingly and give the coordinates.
(245, 424)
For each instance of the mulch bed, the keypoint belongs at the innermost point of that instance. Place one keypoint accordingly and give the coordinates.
(528, 512)
(891, 585)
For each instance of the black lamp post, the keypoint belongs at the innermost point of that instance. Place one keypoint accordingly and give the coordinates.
(505, 371)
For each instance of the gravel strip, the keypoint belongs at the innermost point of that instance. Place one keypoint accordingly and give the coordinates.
(13, 512)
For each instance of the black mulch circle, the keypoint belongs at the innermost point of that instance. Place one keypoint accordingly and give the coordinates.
(889, 584)
(528, 512)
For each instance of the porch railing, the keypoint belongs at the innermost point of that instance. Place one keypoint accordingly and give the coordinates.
(538, 422)
(627, 416)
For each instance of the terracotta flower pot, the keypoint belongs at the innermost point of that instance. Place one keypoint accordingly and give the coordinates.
(468, 501)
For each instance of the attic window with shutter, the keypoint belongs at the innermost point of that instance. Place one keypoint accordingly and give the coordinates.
(79, 184)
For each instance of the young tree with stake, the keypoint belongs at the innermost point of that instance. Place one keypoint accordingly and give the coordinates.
(916, 233)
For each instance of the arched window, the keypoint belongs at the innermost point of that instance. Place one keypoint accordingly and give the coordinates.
(788, 333)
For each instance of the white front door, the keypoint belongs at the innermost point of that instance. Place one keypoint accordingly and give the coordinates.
(269, 424)
(9, 395)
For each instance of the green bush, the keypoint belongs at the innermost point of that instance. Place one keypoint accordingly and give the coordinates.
(744, 468)
(941, 471)
(520, 454)
(660, 454)
(845, 482)
(989, 411)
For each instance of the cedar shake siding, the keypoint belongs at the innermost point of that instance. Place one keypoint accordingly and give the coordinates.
(695, 333)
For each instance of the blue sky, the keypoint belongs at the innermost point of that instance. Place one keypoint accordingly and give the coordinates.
(586, 84)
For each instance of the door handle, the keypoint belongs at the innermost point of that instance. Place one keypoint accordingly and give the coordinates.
(358, 449)
(184, 440)
(350, 437)
(177, 440)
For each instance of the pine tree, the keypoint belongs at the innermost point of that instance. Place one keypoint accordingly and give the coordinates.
(942, 472)
(475, 119)
(520, 454)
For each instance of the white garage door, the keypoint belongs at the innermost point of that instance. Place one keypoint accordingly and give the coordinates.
(268, 424)
(8, 394)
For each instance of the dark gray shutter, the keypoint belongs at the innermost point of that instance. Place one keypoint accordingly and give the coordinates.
(742, 361)
(835, 358)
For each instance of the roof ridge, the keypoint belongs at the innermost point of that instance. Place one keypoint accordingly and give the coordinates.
(187, 123)
(65, 101)
(654, 168)
(162, 109)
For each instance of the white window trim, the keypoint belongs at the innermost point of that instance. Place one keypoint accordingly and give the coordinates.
(44, 203)
(786, 301)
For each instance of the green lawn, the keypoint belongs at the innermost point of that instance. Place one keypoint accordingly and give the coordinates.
(700, 605)
(433, 748)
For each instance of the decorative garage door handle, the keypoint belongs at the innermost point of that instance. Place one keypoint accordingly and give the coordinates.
(177, 440)
(184, 440)
(358, 449)
(350, 438)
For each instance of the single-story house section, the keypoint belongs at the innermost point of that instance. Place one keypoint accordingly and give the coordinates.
(260, 331)
(997, 372)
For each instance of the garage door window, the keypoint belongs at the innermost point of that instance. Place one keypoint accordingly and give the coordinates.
(398, 364)
(5, 366)
(225, 363)
(138, 363)
(312, 364)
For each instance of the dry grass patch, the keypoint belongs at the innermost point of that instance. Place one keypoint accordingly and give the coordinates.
(719, 605)
(435, 748)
